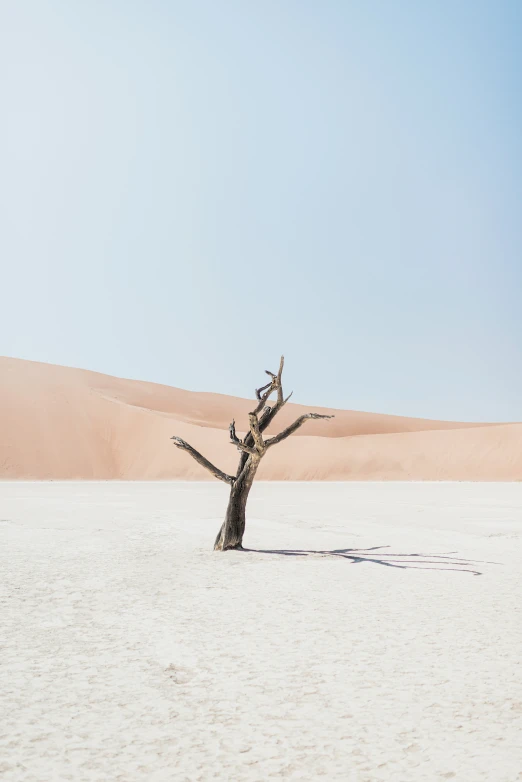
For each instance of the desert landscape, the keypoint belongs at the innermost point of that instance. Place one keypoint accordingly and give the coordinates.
(208, 573)
(369, 629)
(65, 424)
(371, 632)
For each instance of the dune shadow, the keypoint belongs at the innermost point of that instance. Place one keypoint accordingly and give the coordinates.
(445, 561)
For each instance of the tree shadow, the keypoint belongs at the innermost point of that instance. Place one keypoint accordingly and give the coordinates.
(445, 561)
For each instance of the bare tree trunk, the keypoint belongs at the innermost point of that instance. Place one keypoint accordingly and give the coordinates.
(230, 535)
(253, 447)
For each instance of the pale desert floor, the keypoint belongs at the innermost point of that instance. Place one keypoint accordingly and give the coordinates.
(355, 644)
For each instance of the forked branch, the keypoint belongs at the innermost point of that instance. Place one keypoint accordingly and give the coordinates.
(256, 432)
(179, 443)
(263, 393)
(259, 391)
(234, 439)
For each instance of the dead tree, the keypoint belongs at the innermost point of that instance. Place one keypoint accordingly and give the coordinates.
(253, 447)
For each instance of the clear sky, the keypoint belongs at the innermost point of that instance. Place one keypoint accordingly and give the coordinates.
(188, 189)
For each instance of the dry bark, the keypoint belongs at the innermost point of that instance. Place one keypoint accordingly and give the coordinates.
(253, 447)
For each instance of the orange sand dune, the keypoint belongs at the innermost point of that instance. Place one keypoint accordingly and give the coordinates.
(63, 423)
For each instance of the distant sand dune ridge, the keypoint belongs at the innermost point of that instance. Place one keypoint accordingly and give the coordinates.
(63, 423)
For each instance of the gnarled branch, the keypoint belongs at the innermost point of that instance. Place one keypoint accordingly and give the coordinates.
(293, 427)
(217, 473)
(256, 432)
(245, 448)
(233, 436)
(276, 384)
(240, 445)
(263, 397)
(260, 390)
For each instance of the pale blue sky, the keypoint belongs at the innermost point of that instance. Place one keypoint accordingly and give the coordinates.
(189, 189)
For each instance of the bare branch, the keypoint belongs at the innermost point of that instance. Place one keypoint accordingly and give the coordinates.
(293, 427)
(233, 436)
(240, 445)
(260, 390)
(264, 420)
(256, 433)
(179, 443)
(263, 398)
(246, 449)
(280, 400)
(264, 392)
(264, 413)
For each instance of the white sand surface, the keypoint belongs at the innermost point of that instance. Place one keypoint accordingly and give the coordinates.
(133, 653)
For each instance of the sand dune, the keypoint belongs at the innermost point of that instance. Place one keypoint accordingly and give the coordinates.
(63, 423)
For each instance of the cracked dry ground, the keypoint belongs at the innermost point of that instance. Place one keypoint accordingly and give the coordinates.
(353, 642)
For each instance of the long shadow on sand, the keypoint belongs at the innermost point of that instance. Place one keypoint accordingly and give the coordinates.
(445, 561)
